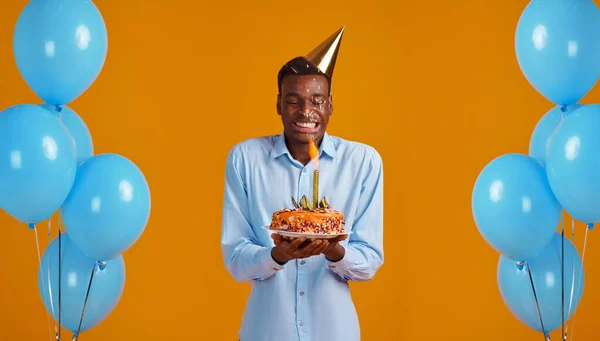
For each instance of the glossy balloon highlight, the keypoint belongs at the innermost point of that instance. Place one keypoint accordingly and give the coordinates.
(546, 270)
(60, 47)
(107, 287)
(513, 206)
(544, 131)
(82, 139)
(109, 206)
(38, 163)
(557, 48)
(573, 157)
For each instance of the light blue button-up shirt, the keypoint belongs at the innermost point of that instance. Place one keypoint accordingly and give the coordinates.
(305, 299)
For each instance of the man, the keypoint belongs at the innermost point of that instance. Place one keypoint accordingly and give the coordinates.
(300, 288)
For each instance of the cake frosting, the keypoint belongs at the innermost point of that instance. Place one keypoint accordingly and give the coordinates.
(306, 219)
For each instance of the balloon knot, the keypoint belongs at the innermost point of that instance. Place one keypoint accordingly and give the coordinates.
(520, 265)
(563, 108)
(58, 108)
(101, 265)
(31, 226)
(591, 226)
(75, 336)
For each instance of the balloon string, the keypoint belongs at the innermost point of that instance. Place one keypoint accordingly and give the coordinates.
(562, 273)
(87, 294)
(49, 282)
(48, 270)
(59, 274)
(37, 244)
(537, 303)
(572, 276)
(590, 226)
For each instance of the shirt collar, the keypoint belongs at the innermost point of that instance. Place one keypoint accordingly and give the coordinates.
(279, 147)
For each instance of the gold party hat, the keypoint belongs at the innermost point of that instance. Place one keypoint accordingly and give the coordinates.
(324, 55)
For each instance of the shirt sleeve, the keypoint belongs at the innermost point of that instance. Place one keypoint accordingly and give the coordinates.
(245, 259)
(364, 248)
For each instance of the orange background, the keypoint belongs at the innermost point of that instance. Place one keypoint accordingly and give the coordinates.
(433, 85)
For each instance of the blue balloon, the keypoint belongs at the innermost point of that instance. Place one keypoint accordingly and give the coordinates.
(60, 47)
(105, 293)
(517, 294)
(84, 147)
(572, 161)
(513, 206)
(37, 163)
(544, 130)
(557, 48)
(109, 206)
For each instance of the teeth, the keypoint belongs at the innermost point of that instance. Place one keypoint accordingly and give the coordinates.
(306, 125)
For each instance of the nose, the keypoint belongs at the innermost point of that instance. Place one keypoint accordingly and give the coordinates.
(306, 109)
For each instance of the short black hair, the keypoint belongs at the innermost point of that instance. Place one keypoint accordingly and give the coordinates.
(299, 66)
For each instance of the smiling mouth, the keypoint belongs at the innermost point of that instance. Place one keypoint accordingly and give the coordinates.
(309, 125)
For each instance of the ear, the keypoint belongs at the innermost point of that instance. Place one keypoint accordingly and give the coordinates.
(278, 104)
(330, 105)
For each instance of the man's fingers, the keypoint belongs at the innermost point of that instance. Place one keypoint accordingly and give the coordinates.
(308, 249)
(297, 242)
(337, 239)
(278, 239)
(319, 249)
(340, 238)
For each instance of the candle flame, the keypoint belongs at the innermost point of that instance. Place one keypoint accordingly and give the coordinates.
(313, 152)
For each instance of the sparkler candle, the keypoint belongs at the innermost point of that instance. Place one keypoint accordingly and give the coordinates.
(313, 152)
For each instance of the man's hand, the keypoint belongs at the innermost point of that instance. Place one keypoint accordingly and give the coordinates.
(330, 248)
(334, 252)
(285, 250)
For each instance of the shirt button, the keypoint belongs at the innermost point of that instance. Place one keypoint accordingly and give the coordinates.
(304, 170)
(302, 262)
(301, 324)
(301, 293)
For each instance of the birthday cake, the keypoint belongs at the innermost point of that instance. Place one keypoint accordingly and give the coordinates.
(305, 218)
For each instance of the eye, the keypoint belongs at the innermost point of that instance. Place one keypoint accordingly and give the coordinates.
(319, 101)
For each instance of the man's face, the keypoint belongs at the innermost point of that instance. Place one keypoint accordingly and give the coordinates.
(305, 106)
